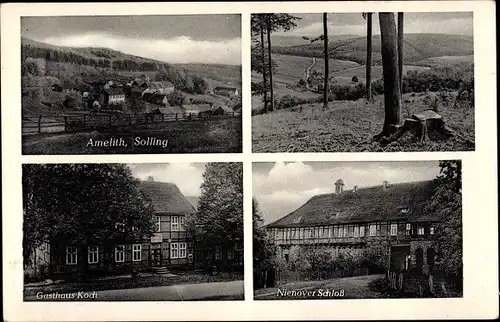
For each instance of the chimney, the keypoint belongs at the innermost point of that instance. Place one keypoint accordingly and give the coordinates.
(151, 178)
(355, 189)
(385, 185)
(339, 186)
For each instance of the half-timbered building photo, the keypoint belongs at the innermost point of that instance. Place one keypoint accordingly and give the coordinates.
(113, 231)
(357, 229)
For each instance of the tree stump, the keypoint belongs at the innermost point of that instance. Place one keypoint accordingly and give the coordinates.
(421, 125)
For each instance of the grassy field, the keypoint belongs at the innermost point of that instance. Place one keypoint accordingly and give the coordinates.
(348, 126)
(197, 136)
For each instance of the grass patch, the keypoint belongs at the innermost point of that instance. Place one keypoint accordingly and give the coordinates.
(197, 136)
(348, 126)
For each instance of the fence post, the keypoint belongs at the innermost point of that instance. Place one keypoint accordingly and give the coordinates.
(40, 124)
(84, 116)
(176, 116)
(65, 123)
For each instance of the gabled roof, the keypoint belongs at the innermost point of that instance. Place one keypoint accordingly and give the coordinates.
(196, 108)
(166, 197)
(402, 201)
(160, 85)
(225, 108)
(114, 91)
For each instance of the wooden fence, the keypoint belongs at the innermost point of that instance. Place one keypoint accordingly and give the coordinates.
(53, 123)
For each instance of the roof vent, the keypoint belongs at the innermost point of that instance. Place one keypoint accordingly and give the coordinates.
(151, 178)
(339, 186)
(355, 189)
(385, 185)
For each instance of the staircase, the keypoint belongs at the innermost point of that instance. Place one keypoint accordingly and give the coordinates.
(161, 270)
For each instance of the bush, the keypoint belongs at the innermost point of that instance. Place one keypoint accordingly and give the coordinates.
(355, 79)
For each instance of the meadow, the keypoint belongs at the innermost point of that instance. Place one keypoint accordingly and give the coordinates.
(195, 136)
(349, 126)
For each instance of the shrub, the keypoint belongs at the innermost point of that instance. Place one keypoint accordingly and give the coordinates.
(355, 79)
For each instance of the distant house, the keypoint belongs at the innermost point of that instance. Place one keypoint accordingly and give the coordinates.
(158, 99)
(226, 91)
(112, 96)
(196, 109)
(163, 87)
(57, 88)
(222, 110)
(237, 111)
(137, 88)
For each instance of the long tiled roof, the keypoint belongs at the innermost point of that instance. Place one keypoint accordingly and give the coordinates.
(166, 197)
(402, 201)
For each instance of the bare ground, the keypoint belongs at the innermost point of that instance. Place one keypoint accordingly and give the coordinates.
(349, 126)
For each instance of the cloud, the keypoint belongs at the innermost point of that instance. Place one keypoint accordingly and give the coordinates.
(176, 50)
(186, 176)
(457, 26)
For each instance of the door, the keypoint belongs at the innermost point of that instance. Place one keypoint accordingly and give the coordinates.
(156, 257)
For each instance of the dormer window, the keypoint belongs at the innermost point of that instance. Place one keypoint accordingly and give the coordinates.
(404, 210)
(297, 220)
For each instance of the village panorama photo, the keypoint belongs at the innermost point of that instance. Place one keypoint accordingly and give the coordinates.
(363, 82)
(131, 84)
(133, 232)
(357, 230)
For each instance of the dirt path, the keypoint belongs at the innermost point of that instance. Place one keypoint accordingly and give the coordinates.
(338, 288)
(308, 71)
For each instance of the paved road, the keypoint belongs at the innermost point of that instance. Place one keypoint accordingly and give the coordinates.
(352, 287)
(186, 292)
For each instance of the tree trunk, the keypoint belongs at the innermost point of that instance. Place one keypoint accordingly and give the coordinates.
(369, 56)
(325, 45)
(392, 91)
(400, 49)
(263, 53)
(271, 85)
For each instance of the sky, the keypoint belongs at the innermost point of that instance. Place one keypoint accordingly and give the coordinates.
(280, 187)
(311, 24)
(187, 176)
(214, 38)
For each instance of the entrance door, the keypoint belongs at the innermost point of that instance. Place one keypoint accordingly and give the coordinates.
(156, 257)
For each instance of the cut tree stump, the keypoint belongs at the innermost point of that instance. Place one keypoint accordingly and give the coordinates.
(421, 125)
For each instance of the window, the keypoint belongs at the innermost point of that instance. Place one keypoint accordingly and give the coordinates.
(182, 250)
(346, 231)
(373, 230)
(362, 231)
(182, 224)
(158, 223)
(408, 229)
(174, 224)
(276, 234)
(71, 255)
(336, 231)
(394, 229)
(311, 232)
(356, 231)
(93, 255)
(218, 252)
(174, 250)
(230, 254)
(420, 230)
(136, 252)
(431, 230)
(120, 226)
(119, 253)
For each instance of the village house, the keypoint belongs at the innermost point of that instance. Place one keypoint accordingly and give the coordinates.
(111, 96)
(222, 110)
(226, 91)
(158, 99)
(392, 216)
(170, 246)
(198, 110)
(163, 87)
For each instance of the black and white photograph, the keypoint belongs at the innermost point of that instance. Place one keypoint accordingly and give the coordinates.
(133, 232)
(362, 82)
(357, 230)
(131, 84)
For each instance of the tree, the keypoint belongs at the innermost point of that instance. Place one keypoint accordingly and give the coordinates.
(219, 218)
(400, 48)
(368, 17)
(261, 32)
(162, 74)
(264, 249)
(176, 98)
(325, 51)
(81, 204)
(392, 92)
(447, 203)
(200, 85)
